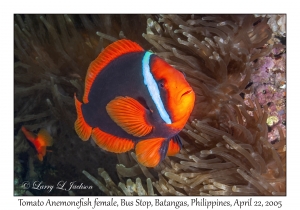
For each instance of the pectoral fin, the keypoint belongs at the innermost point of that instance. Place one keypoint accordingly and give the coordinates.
(130, 115)
(45, 137)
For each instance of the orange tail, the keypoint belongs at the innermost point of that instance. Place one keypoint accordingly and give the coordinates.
(82, 129)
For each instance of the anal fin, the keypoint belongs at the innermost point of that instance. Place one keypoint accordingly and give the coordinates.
(82, 129)
(110, 142)
(151, 152)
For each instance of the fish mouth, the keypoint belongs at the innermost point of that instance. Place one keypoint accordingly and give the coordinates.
(186, 92)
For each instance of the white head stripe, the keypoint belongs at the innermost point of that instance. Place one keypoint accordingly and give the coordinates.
(151, 84)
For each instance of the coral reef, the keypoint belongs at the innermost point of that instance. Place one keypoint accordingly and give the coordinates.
(277, 23)
(234, 143)
(229, 134)
(269, 87)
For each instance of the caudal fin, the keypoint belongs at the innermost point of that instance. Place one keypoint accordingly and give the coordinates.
(82, 129)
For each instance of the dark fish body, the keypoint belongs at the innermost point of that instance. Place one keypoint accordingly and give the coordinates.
(107, 86)
(134, 99)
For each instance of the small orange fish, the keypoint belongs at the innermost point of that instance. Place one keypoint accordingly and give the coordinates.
(40, 141)
(133, 99)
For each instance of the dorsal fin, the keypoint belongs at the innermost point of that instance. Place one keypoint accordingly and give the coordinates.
(30, 136)
(111, 52)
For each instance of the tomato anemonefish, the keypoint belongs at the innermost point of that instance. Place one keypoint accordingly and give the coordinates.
(40, 141)
(134, 99)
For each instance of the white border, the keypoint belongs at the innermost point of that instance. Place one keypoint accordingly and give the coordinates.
(153, 6)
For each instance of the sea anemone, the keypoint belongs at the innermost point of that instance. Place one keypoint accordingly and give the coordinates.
(52, 54)
(226, 150)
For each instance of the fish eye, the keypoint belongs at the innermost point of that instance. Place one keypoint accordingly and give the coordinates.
(161, 83)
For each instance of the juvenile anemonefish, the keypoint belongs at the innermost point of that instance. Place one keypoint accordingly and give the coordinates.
(134, 99)
(40, 141)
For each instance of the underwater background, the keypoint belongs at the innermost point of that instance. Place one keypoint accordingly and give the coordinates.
(234, 142)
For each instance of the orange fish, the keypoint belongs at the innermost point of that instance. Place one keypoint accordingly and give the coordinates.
(40, 141)
(134, 99)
